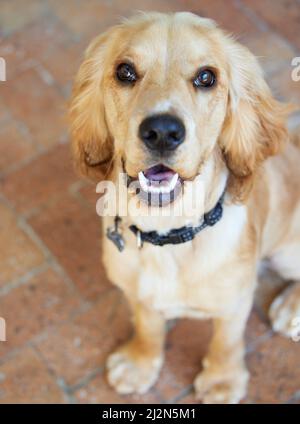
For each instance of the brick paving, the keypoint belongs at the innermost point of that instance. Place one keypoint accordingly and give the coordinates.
(63, 316)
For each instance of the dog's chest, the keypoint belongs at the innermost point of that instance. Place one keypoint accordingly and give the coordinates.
(193, 279)
(179, 286)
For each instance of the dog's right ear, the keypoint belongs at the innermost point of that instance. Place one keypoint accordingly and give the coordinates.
(91, 142)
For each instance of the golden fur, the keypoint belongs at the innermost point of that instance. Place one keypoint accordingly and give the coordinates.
(231, 130)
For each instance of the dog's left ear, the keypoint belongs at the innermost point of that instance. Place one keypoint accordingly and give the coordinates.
(255, 124)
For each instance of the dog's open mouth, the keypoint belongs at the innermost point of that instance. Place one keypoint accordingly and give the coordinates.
(158, 185)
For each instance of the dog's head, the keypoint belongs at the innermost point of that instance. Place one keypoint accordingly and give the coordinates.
(166, 96)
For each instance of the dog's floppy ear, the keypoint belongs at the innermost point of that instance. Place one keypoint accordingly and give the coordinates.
(91, 142)
(254, 126)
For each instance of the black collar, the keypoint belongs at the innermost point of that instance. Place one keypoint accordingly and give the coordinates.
(176, 236)
(183, 234)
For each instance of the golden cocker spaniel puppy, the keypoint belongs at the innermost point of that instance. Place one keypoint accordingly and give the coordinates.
(182, 111)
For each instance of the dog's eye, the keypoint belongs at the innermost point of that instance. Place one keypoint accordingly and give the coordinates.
(126, 73)
(205, 78)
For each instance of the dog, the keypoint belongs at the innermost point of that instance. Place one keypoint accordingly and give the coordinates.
(171, 100)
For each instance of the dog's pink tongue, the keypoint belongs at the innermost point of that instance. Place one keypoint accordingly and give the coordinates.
(159, 173)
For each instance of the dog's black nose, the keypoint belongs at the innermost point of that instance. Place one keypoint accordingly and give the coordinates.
(162, 133)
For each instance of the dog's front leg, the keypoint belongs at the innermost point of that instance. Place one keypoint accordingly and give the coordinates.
(135, 366)
(224, 377)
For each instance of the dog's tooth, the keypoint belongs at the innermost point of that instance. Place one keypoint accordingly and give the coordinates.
(143, 181)
(164, 188)
(160, 190)
(173, 181)
(153, 189)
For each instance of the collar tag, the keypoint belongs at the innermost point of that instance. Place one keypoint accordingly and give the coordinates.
(114, 235)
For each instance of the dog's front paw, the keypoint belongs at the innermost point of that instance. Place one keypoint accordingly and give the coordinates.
(129, 371)
(211, 388)
(284, 312)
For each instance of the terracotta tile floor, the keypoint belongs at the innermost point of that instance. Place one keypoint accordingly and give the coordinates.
(63, 316)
